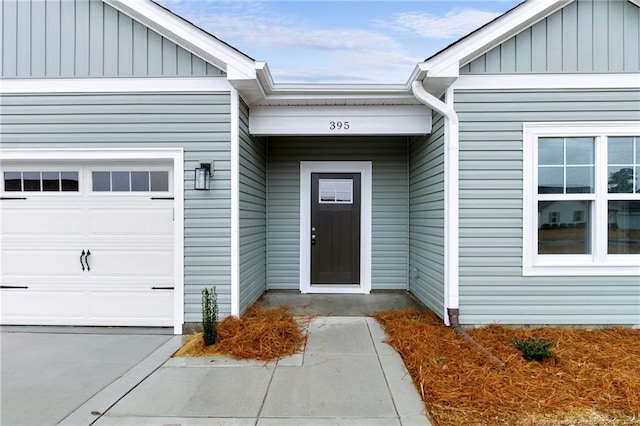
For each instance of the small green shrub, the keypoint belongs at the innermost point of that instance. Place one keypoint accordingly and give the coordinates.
(210, 316)
(534, 349)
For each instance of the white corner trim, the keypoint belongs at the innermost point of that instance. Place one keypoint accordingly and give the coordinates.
(176, 155)
(365, 170)
(235, 203)
(115, 85)
(548, 81)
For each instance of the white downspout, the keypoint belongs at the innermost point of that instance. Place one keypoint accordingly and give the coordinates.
(451, 190)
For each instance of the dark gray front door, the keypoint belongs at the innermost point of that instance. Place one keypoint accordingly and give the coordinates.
(335, 228)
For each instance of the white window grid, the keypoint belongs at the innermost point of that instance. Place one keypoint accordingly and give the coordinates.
(598, 262)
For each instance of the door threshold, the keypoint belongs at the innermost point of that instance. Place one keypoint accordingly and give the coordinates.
(336, 289)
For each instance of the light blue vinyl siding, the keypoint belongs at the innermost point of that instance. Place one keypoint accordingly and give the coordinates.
(86, 38)
(198, 122)
(253, 215)
(426, 217)
(492, 288)
(390, 203)
(586, 36)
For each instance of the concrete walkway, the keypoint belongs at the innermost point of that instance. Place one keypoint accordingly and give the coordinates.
(346, 376)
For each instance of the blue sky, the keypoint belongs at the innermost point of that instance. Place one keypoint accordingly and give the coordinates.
(354, 41)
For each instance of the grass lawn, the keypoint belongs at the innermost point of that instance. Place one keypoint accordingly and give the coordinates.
(595, 379)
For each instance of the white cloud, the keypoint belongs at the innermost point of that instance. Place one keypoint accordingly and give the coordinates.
(456, 23)
(299, 51)
(276, 33)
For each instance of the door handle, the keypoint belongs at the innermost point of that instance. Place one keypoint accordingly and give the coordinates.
(86, 259)
(81, 256)
(313, 239)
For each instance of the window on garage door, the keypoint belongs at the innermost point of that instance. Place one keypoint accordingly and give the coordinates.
(41, 181)
(130, 180)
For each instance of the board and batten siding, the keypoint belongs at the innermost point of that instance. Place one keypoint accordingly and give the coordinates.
(390, 204)
(198, 122)
(492, 288)
(426, 217)
(253, 215)
(86, 38)
(586, 36)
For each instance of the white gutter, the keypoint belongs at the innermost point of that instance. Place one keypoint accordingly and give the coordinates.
(451, 190)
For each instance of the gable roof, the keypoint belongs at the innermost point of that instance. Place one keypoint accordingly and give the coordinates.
(236, 64)
(254, 81)
(443, 68)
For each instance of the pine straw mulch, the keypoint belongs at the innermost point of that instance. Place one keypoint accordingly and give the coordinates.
(594, 381)
(261, 333)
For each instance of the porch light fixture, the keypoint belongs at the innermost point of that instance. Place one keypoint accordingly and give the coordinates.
(202, 178)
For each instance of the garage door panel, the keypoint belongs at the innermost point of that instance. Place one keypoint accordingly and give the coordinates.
(131, 222)
(128, 263)
(32, 306)
(40, 263)
(40, 220)
(133, 306)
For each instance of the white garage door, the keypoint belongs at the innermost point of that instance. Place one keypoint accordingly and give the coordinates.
(87, 244)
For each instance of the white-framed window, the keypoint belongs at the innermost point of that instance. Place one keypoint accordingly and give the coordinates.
(581, 198)
(335, 191)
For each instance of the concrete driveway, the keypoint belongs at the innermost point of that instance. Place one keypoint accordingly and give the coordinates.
(70, 376)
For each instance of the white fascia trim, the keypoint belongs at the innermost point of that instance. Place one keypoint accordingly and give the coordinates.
(451, 193)
(365, 170)
(115, 85)
(448, 62)
(176, 155)
(548, 81)
(235, 203)
(188, 36)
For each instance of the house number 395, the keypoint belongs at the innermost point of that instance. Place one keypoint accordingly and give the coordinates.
(338, 125)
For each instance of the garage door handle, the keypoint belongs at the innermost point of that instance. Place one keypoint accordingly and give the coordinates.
(86, 259)
(162, 288)
(24, 287)
(81, 256)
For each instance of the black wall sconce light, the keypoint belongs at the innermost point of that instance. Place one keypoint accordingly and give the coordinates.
(202, 178)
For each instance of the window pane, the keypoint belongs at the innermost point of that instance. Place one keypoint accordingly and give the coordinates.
(550, 180)
(51, 181)
(620, 150)
(12, 181)
(101, 181)
(140, 181)
(69, 181)
(620, 179)
(550, 151)
(579, 180)
(327, 191)
(31, 181)
(580, 150)
(638, 178)
(558, 233)
(120, 181)
(624, 227)
(160, 181)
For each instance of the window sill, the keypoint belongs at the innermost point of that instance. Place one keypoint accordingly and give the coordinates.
(582, 269)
